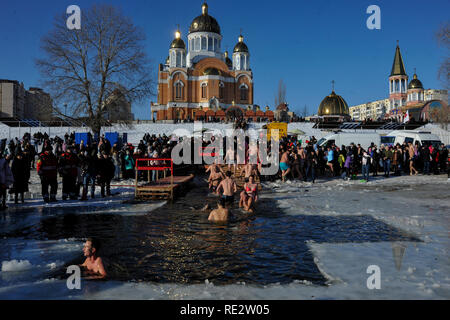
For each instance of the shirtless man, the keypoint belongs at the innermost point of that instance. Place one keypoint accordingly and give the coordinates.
(249, 169)
(229, 188)
(411, 159)
(93, 263)
(213, 167)
(284, 164)
(221, 214)
(229, 159)
(215, 178)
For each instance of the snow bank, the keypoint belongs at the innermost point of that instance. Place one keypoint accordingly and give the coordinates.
(16, 266)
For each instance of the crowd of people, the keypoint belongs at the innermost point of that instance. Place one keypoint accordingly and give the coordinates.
(348, 162)
(83, 166)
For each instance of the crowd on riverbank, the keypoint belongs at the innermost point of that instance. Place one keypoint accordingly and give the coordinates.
(348, 162)
(83, 166)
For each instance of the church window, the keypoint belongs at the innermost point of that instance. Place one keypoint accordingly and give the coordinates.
(210, 44)
(178, 65)
(204, 92)
(197, 44)
(221, 90)
(179, 90)
(203, 43)
(244, 92)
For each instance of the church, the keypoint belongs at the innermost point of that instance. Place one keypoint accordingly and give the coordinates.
(201, 82)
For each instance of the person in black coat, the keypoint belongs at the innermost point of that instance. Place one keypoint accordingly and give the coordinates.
(20, 168)
(105, 173)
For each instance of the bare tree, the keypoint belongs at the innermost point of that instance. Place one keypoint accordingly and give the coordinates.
(280, 97)
(83, 67)
(442, 115)
(443, 38)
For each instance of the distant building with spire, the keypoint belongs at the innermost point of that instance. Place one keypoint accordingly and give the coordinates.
(403, 96)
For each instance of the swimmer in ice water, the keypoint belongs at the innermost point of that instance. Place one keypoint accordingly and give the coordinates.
(93, 265)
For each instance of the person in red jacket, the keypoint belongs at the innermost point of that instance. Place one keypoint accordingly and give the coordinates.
(47, 168)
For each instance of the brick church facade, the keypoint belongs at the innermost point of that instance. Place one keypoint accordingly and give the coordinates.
(201, 82)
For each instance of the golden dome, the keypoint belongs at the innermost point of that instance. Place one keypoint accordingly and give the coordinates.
(333, 105)
(178, 43)
(241, 46)
(228, 60)
(415, 83)
(204, 22)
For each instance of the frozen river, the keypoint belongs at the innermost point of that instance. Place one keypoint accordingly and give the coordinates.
(306, 242)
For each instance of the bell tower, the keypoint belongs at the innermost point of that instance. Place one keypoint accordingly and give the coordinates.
(398, 82)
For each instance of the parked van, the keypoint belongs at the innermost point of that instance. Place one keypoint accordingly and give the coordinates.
(413, 136)
(346, 138)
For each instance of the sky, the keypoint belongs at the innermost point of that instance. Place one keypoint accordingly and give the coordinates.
(307, 44)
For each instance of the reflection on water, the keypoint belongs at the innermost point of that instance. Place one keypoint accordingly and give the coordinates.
(176, 243)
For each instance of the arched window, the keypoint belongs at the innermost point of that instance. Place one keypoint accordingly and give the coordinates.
(178, 64)
(204, 90)
(203, 43)
(216, 47)
(210, 44)
(244, 92)
(172, 59)
(221, 90)
(179, 92)
(197, 44)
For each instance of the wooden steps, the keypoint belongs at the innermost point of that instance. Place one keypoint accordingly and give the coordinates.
(163, 189)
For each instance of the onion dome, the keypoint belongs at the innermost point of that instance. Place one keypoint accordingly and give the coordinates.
(333, 105)
(415, 83)
(178, 43)
(204, 22)
(240, 46)
(228, 60)
(211, 72)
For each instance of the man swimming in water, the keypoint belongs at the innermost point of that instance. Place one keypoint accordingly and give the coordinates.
(229, 188)
(93, 263)
(221, 214)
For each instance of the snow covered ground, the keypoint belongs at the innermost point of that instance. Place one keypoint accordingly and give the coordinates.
(418, 206)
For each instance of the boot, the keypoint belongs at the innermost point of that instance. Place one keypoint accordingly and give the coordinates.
(22, 198)
(53, 198)
(46, 199)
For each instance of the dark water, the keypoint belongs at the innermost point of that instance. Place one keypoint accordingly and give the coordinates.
(176, 243)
